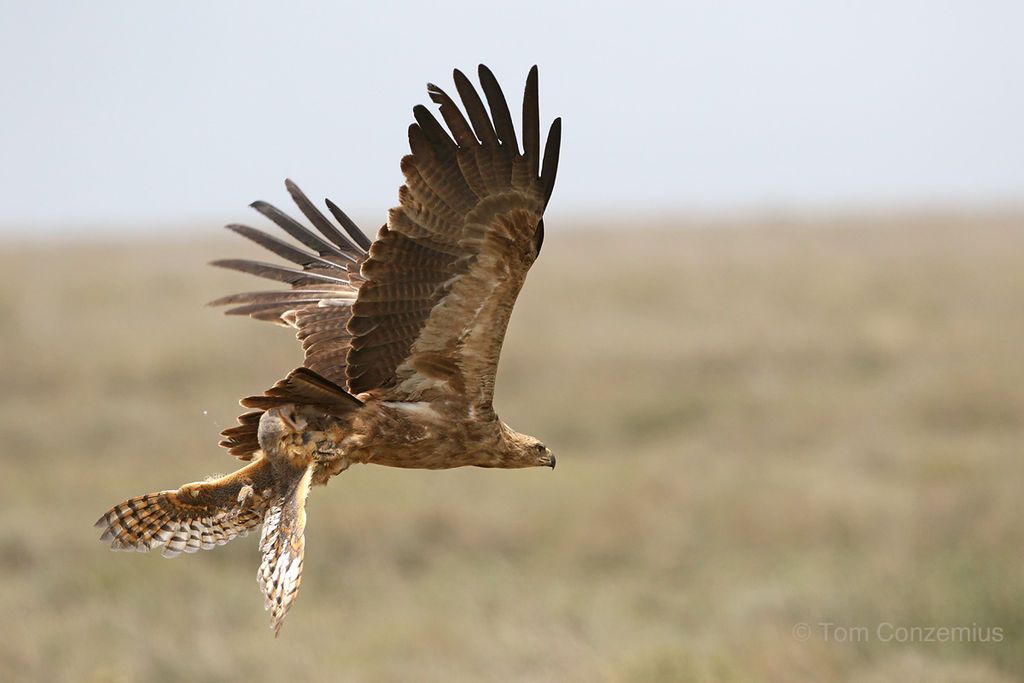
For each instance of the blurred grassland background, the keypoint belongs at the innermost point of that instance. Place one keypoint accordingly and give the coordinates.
(759, 424)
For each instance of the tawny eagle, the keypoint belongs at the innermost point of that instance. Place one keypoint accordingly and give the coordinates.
(401, 337)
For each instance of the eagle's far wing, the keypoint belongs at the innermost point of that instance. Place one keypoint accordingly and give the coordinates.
(319, 303)
(444, 273)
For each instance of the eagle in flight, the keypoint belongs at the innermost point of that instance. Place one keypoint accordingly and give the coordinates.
(401, 337)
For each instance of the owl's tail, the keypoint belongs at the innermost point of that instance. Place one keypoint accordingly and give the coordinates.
(196, 516)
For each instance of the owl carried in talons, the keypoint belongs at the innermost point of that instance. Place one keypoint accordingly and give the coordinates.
(401, 337)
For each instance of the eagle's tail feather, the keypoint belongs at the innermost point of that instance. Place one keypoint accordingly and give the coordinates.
(303, 386)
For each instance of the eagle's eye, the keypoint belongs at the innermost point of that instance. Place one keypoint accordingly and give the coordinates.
(541, 449)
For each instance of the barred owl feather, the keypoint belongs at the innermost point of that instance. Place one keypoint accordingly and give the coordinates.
(283, 546)
(195, 517)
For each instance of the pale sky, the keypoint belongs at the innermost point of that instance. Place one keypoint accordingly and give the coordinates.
(133, 117)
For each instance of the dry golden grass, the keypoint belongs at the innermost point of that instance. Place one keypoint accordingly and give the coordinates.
(756, 426)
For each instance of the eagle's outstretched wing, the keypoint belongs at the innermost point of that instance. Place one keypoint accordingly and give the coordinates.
(319, 303)
(422, 313)
(445, 271)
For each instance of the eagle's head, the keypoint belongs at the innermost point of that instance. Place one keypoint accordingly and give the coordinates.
(523, 450)
(543, 454)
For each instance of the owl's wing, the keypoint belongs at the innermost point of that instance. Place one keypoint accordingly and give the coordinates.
(283, 545)
(197, 516)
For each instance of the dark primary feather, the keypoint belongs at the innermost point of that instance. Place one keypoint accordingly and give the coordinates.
(357, 235)
(475, 109)
(452, 116)
(281, 248)
(273, 271)
(499, 107)
(300, 232)
(550, 167)
(438, 137)
(321, 223)
(531, 123)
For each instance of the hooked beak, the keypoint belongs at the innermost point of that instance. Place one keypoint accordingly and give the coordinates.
(551, 459)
